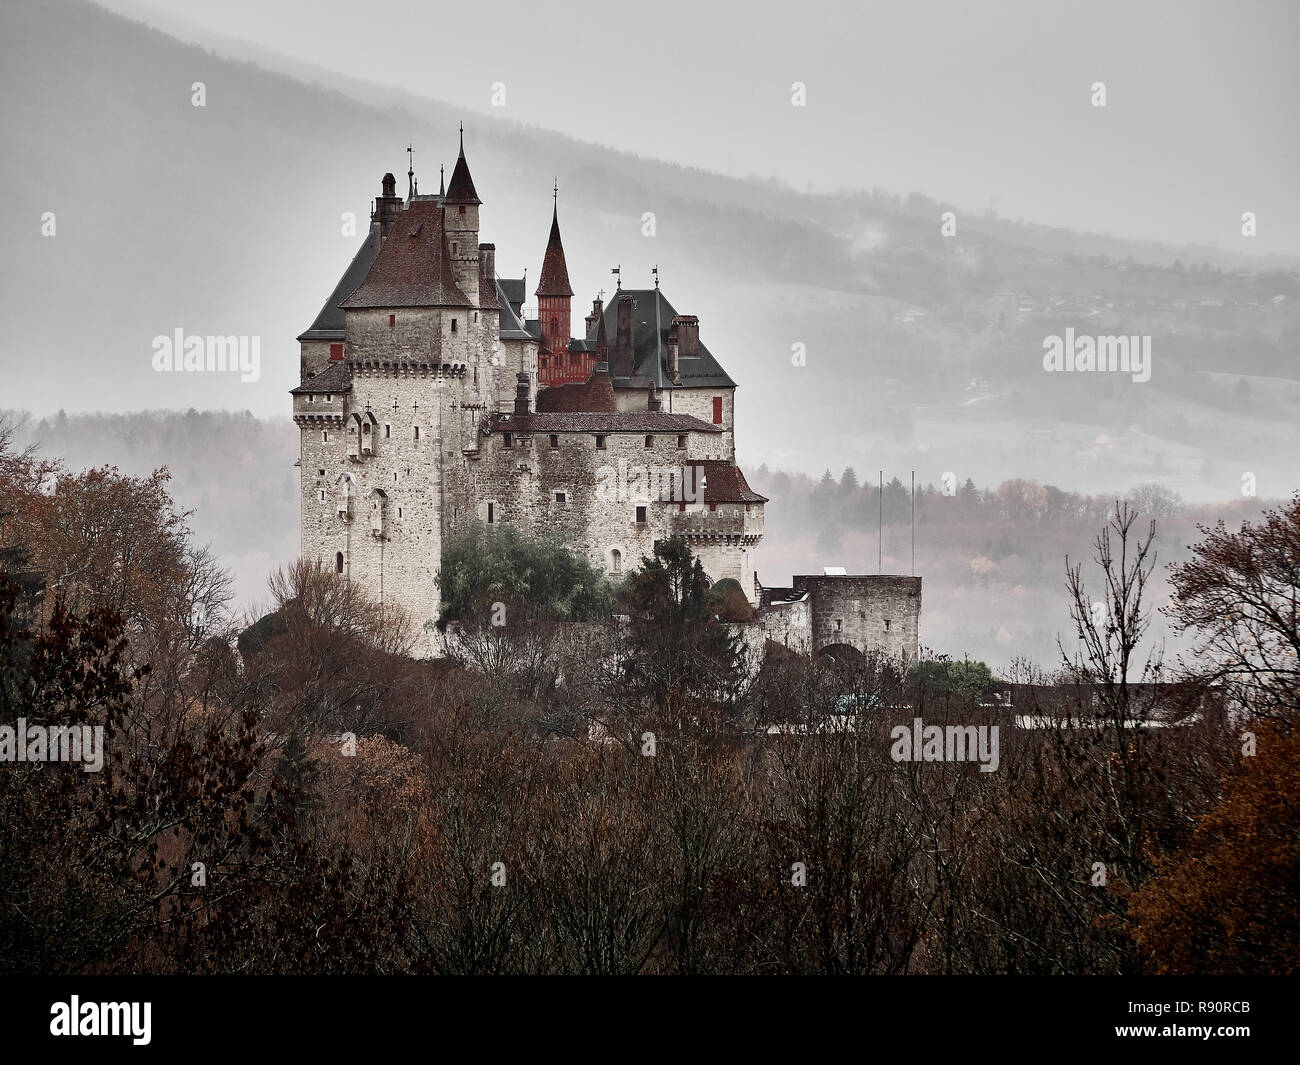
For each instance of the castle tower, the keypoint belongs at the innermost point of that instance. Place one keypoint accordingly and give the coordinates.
(554, 298)
(461, 226)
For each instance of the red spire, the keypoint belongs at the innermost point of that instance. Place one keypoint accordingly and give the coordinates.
(555, 272)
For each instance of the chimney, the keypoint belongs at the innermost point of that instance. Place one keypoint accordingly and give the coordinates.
(674, 367)
(387, 207)
(653, 400)
(623, 352)
(487, 262)
(521, 393)
(688, 335)
(597, 309)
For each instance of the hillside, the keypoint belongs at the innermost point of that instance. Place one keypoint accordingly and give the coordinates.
(921, 351)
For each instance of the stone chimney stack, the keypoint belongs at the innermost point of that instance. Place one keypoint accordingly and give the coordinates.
(387, 207)
(653, 400)
(487, 263)
(597, 309)
(521, 393)
(688, 335)
(674, 365)
(623, 353)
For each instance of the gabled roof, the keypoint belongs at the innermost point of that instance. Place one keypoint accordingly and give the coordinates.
(651, 321)
(334, 378)
(329, 323)
(413, 267)
(555, 272)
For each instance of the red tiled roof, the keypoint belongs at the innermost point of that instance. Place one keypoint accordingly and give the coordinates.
(725, 483)
(629, 421)
(595, 394)
(413, 267)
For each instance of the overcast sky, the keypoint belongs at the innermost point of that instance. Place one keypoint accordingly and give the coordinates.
(984, 104)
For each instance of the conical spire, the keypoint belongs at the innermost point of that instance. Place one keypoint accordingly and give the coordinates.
(555, 271)
(461, 188)
(442, 185)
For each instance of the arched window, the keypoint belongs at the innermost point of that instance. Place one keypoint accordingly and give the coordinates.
(338, 562)
(615, 560)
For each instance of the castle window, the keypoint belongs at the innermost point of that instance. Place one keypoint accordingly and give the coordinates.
(320, 494)
(717, 410)
(336, 351)
(417, 433)
(561, 497)
(453, 325)
(616, 560)
(329, 397)
(320, 473)
(491, 513)
(392, 320)
(453, 248)
(394, 477)
(681, 439)
(681, 508)
(461, 210)
(338, 562)
(649, 441)
(399, 512)
(325, 436)
(476, 317)
(555, 440)
(839, 624)
(600, 443)
(713, 506)
(641, 515)
(507, 440)
(387, 428)
(886, 624)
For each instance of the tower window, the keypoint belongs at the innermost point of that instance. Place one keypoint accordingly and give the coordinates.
(325, 436)
(681, 439)
(717, 410)
(460, 210)
(453, 325)
(392, 320)
(561, 497)
(320, 494)
(399, 512)
(839, 624)
(417, 432)
(336, 351)
(600, 443)
(886, 624)
(649, 441)
(640, 515)
(507, 440)
(555, 440)
(338, 562)
(491, 513)
(616, 560)
(387, 429)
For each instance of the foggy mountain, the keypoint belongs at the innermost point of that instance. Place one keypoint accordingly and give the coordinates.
(922, 351)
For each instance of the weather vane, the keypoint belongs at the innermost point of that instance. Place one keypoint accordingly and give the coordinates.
(618, 272)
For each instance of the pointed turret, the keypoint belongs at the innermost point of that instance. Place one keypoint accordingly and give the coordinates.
(553, 309)
(461, 189)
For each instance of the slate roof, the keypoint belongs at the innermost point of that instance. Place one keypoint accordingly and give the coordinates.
(512, 288)
(555, 271)
(329, 323)
(413, 267)
(511, 327)
(334, 378)
(629, 421)
(651, 321)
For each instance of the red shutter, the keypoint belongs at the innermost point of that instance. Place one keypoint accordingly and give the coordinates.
(336, 351)
(717, 410)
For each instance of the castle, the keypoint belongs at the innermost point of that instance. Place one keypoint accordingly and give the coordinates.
(427, 402)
